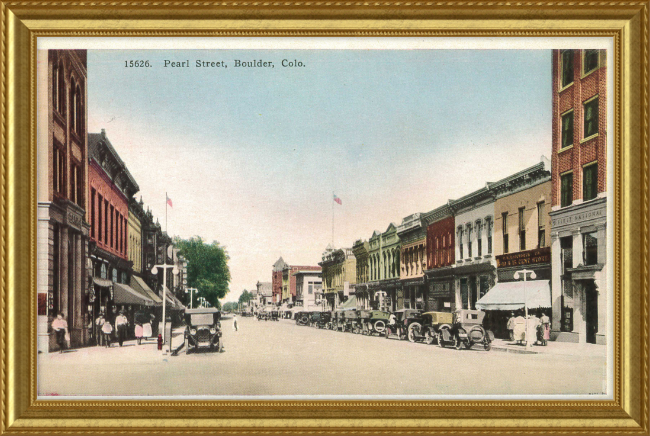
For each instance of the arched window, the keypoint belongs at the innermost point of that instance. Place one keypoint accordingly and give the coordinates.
(78, 111)
(73, 104)
(61, 89)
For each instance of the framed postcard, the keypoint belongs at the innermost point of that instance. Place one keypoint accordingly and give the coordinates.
(308, 217)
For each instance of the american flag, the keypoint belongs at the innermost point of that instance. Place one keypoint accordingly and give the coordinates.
(338, 200)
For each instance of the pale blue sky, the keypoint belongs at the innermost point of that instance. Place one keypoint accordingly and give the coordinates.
(251, 156)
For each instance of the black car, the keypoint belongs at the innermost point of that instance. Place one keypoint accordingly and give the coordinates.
(203, 329)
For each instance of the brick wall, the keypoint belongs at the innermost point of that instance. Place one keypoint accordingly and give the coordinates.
(443, 229)
(572, 97)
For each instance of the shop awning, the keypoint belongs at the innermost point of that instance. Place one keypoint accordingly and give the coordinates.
(510, 296)
(125, 294)
(139, 285)
(102, 282)
(172, 300)
(350, 304)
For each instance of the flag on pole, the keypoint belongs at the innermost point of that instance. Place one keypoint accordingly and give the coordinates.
(338, 200)
(169, 201)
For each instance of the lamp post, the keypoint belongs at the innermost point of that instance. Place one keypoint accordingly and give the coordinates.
(154, 271)
(191, 295)
(533, 276)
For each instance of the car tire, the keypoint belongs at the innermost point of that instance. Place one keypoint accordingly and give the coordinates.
(487, 345)
(468, 345)
(379, 326)
(411, 332)
(428, 337)
(187, 346)
(441, 343)
(458, 344)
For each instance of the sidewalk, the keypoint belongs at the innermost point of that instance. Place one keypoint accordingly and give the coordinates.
(552, 347)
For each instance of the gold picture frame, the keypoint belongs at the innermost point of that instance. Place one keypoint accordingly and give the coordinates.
(626, 22)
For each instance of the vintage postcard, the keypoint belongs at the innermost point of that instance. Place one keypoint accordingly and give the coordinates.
(332, 218)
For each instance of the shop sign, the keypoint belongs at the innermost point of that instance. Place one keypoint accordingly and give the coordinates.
(439, 290)
(73, 219)
(578, 217)
(540, 255)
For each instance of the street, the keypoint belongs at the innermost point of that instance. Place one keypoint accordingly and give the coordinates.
(280, 358)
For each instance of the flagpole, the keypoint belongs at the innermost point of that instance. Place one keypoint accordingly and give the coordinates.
(332, 219)
(166, 203)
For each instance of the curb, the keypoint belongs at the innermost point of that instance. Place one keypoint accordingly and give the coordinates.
(513, 350)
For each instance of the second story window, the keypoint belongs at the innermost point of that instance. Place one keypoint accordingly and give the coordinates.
(566, 189)
(58, 169)
(469, 240)
(504, 230)
(567, 130)
(522, 230)
(591, 117)
(567, 67)
(479, 237)
(590, 182)
(488, 229)
(460, 242)
(541, 229)
(93, 224)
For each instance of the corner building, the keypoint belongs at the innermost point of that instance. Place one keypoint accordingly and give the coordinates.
(579, 196)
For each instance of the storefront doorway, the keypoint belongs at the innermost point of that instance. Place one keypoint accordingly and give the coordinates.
(591, 310)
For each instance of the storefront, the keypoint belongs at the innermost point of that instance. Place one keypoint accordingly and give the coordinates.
(414, 293)
(441, 296)
(472, 282)
(579, 273)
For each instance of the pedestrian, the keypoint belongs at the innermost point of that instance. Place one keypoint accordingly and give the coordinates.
(546, 325)
(121, 324)
(107, 331)
(234, 323)
(511, 327)
(99, 322)
(60, 327)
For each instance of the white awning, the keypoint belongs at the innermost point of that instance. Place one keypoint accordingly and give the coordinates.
(510, 296)
(124, 294)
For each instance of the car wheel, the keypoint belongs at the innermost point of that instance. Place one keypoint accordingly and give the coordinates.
(187, 346)
(468, 345)
(414, 331)
(441, 344)
(458, 344)
(380, 326)
(487, 345)
(428, 337)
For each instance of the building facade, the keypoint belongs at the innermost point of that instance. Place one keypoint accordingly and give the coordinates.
(361, 250)
(339, 268)
(579, 196)
(475, 267)
(412, 233)
(309, 285)
(384, 262)
(62, 195)
(264, 294)
(276, 280)
(134, 234)
(441, 257)
(110, 187)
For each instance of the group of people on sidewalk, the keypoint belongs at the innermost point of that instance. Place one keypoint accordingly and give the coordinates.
(541, 325)
(142, 329)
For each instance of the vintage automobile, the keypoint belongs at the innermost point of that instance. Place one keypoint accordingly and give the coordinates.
(324, 321)
(338, 320)
(351, 322)
(303, 318)
(403, 319)
(203, 329)
(275, 315)
(426, 328)
(314, 318)
(373, 321)
(466, 330)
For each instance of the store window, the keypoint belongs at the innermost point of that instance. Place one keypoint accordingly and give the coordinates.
(522, 230)
(566, 259)
(591, 118)
(567, 67)
(504, 230)
(484, 286)
(590, 182)
(566, 189)
(567, 130)
(590, 61)
(590, 248)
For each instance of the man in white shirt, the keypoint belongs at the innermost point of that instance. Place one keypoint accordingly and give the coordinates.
(120, 324)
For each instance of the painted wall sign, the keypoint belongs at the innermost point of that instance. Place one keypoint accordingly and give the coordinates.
(540, 255)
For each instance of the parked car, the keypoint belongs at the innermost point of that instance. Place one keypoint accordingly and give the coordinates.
(404, 318)
(426, 329)
(351, 321)
(303, 318)
(275, 315)
(466, 330)
(324, 321)
(202, 329)
(373, 321)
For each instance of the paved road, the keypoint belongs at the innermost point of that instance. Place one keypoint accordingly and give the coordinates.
(281, 358)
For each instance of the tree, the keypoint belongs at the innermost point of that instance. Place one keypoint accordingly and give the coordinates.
(231, 306)
(245, 297)
(207, 268)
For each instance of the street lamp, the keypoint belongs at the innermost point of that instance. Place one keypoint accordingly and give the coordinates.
(154, 271)
(191, 295)
(533, 276)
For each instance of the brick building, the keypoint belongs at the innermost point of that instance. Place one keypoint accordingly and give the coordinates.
(413, 260)
(62, 285)
(441, 241)
(276, 280)
(579, 197)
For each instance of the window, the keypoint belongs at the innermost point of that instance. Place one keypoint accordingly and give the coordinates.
(76, 185)
(566, 189)
(100, 220)
(310, 289)
(106, 222)
(112, 221)
(93, 224)
(590, 250)
(541, 233)
(78, 111)
(479, 236)
(469, 240)
(73, 103)
(55, 87)
(58, 169)
(60, 89)
(522, 230)
(590, 182)
(590, 61)
(464, 291)
(567, 130)
(460, 242)
(504, 229)
(591, 118)
(484, 286)
(488, 225)
(567, 67)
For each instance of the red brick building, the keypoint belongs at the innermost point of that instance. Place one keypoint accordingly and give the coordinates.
(440, 246)
(579, 197)
(289, 281)
(62, 204)
(276, 280)
(110, 186)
